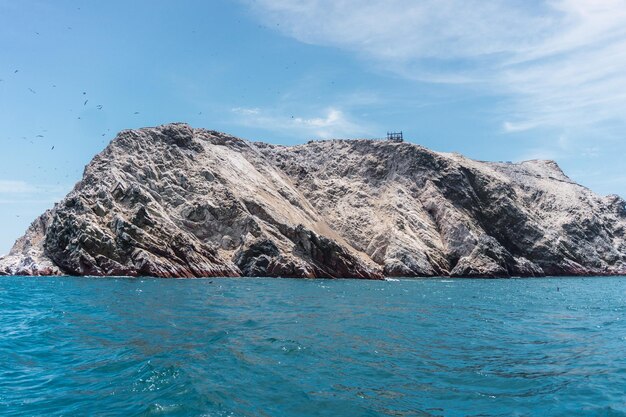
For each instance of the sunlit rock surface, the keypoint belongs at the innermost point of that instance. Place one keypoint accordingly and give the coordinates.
(174, 201)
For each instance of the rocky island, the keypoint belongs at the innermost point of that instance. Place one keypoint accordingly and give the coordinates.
(175, 201)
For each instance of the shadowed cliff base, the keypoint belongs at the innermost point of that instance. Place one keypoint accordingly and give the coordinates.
(174, 201)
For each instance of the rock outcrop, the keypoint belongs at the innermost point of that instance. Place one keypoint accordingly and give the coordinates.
(174, 201)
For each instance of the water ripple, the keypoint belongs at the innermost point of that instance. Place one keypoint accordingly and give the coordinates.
(278, 347)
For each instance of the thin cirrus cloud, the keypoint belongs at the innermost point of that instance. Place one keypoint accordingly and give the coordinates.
(333, 123)
(14, 191)
(555, 63)
(16, 187)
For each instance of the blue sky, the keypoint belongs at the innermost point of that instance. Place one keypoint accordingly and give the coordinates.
(495, 80)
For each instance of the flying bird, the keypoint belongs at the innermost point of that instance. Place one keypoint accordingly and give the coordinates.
(16, 71)
(52, 148)
(99, 107)
(136, 112)
(85, 103)
(31, 90)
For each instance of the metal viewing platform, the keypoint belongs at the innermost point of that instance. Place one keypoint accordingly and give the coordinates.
(395, 136)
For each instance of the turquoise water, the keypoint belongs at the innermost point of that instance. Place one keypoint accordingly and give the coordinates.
(280, 347)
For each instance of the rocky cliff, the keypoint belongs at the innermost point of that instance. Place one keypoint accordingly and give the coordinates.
(174, 201)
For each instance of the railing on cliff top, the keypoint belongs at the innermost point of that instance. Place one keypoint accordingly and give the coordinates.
(391, 137)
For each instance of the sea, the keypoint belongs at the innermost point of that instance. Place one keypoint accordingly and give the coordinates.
(77, 346)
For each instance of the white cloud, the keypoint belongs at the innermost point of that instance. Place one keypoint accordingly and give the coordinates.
(332, 124)
(246, 111)
(16, 187)
(518, 126)
(557, 62)
(21, 192)
(404, 29)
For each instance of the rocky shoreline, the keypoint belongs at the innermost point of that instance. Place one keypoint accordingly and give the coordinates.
(174, 201)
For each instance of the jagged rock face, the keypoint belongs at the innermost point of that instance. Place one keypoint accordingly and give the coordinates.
(174, 201)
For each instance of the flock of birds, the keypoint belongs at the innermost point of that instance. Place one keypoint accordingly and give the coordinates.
(85, 102)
